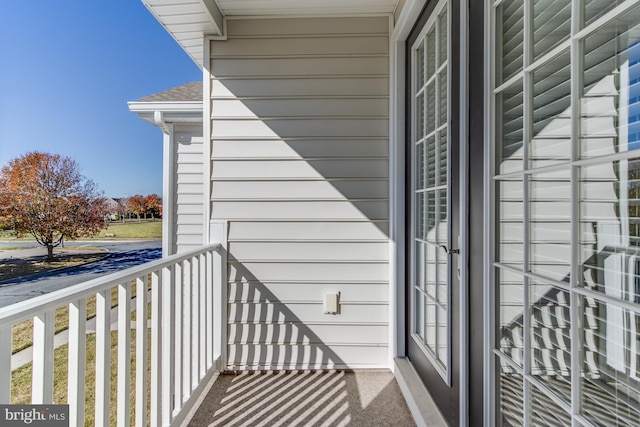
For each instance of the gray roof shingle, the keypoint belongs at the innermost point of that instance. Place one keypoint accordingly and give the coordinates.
(184, 93)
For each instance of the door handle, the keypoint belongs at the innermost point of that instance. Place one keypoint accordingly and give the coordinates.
(449, 251)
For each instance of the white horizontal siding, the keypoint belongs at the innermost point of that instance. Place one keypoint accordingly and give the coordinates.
(302, 210)
(310, 251)
(308, 231)
(307, 148)
(307, 291)
(302, 86)
(301, 169)
(188, 218)
(305, 190)
(306, 271)
(296, 356)
(307, 313)
(247, 333)
(299, 118)
(286, 108)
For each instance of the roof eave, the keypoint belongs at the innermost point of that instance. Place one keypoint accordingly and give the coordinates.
(202, 16)
(162, 113)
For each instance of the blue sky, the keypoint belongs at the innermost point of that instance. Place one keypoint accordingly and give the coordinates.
(67, 70)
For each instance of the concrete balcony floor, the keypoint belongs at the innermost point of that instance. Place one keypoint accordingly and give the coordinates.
(304, 398)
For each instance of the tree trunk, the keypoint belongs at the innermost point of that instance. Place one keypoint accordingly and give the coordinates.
(49, 252)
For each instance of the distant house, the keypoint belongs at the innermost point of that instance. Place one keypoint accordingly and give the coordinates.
(178, 113)
(113, 209)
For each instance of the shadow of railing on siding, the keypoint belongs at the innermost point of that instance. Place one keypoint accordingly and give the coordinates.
(266, 319)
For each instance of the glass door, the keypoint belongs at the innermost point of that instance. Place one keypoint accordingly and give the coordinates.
(432, 191)
(565, 226)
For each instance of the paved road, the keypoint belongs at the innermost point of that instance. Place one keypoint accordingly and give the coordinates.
(123, 255)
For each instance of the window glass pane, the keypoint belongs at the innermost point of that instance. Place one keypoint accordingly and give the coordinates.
(418, 327)
(431, 161)
(421, 167)
(545, 412)
(509, 223)
(442, 98)
(420, 75)
(609, 252)
(509, 130)
(550, 343)
(420, 216)
(442, 295)
(431, 325)
(431, 270)
(510, 322)
(442, 237)
(550, 224)
(442, 35)
(431, 106)
(593, 9)
(509, 39)
(442, 136)
(420, 266)
(609, 393)
(551, 139)
(551, 25)
(509, 396)
(443, 336)
(420, 131)
(431, 52)
(609, 117)
(431, 216)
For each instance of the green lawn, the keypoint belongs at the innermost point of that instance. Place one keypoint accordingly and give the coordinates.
(132, 230)
(21, 379)
(128, 230)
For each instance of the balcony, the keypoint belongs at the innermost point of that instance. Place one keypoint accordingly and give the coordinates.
(89, 351)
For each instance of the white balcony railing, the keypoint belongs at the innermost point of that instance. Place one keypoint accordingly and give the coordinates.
(175, 356)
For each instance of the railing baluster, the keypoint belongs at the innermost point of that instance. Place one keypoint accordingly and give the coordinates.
(6, 341)
(156, 366)
(219, 285)
(77, 361)
(42, 381)
(103, 357)
(186, 332)
(177, 305)
(203, 316)
(141, 351)
(209, 288)
(167, 345)
(195, 327)
(124, 354)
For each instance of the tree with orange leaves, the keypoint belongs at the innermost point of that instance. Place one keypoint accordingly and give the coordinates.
(153, 203)
(137, 205)
(45, 195)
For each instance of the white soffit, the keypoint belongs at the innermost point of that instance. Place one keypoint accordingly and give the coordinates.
(188, 21)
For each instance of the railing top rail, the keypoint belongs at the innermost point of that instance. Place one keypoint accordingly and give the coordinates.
(26, 309)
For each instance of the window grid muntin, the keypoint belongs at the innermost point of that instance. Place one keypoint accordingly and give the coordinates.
(440, 358)
(573, 166)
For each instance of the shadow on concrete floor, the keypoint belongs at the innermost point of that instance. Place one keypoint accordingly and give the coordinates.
(304, 398)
